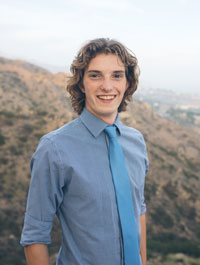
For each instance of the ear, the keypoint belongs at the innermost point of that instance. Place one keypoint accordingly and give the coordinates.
(127, 85)
(82, 88)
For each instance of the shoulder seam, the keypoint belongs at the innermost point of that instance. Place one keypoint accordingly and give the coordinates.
(54, 146)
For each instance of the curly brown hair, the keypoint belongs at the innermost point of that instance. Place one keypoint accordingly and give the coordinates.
(82, 60)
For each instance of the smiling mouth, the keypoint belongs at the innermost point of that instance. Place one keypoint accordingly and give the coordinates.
(110, 97)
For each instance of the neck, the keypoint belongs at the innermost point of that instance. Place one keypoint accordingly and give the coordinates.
(109, 119)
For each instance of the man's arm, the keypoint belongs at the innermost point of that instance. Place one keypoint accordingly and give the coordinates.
(143, 250)
(37, 254)
(45, 195)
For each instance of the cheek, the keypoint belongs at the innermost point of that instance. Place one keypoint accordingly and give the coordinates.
(123, 89)
(90, 89)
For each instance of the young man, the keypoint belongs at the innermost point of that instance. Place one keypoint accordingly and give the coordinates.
(73, 170)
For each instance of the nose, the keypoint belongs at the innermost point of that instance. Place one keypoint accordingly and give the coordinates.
(107, 85)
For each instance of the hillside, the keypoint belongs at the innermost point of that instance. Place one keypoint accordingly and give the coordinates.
(34, 102)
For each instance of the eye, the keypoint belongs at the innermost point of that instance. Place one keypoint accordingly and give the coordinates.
(118, 76)
(94, 76)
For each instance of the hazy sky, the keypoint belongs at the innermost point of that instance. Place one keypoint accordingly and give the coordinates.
(164, 35)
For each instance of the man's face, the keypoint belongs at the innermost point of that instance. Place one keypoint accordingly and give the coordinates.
(104, 85)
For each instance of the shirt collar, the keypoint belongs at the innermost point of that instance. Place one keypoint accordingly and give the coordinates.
(95, 125)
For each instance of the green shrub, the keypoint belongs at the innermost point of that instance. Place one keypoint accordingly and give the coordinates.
(183, 245)
(22, 116)
(190, 175)
(51, 116)
(23, 138)
(2, 139)
(161, 217)
(27, 128)
(8, 122)
(156, 156)
(186, 210)
(150, 190)
(38, 135)
(171, 190)
(40, 123)
(42, 112)
(167, 151)
(7, 114)
(14, 150)
(3, 161)
(191, 164)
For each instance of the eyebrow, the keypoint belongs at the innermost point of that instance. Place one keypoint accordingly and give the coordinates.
(97, 71)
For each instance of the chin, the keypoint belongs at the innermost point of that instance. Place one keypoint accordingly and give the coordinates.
(107, 113)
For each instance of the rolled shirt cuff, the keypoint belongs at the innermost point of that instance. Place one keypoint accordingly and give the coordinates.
(35, 231)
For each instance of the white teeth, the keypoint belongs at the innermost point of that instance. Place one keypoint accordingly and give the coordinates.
(106, 97)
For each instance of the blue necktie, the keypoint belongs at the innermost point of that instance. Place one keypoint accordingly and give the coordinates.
(124, 199)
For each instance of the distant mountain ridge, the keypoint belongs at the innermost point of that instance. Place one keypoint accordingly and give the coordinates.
(182, 108)
(24, 65)
(34, 101)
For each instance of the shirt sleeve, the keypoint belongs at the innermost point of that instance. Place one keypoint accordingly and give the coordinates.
(146, 164)
(45, 194)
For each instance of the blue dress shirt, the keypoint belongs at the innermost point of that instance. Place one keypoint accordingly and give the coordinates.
(71, 177)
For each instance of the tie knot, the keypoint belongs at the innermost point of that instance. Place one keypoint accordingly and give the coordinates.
(111, 131)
